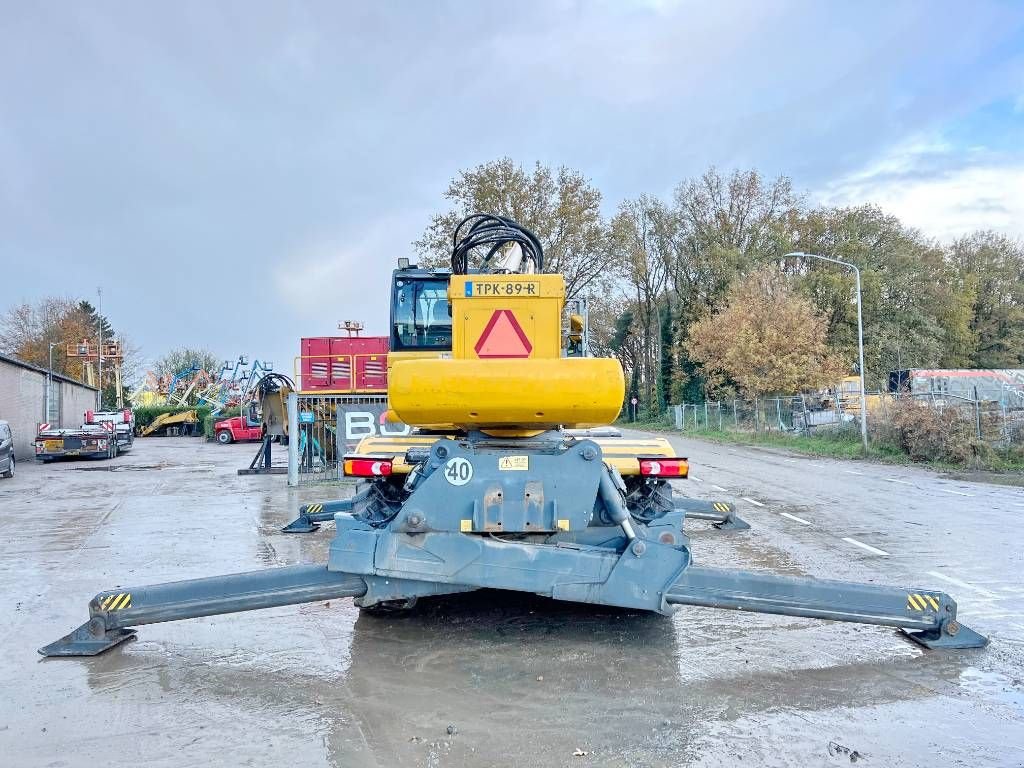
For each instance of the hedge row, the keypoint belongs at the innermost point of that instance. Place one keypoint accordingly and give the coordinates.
(144, 415)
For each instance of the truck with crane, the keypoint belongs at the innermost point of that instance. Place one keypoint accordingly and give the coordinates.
(505, 489)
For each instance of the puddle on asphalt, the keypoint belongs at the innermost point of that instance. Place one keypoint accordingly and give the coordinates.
(993, 685)
(146, 467)
(127, 467)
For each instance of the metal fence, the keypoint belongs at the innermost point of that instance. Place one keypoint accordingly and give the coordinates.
(325, 427)
(993, 422)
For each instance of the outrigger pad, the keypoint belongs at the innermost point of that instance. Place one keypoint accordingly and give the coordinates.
(732, 523)
(82, 642)
(961, 637)
(301, 524)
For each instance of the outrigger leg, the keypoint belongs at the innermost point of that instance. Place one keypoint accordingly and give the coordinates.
(311, 515)
(112, 613)
(720, 514)
(932, 614)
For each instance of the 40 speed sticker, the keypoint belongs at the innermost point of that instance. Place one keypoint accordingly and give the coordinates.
(458, 471)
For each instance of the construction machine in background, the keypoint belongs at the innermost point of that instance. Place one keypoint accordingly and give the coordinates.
(511, 499)
(183, 422)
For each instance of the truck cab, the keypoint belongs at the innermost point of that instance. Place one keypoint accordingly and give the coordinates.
(248, 426)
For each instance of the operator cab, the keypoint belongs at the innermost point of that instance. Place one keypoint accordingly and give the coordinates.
(421, 319)
(421, 316)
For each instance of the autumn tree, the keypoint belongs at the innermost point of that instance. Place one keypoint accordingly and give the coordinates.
(29, 330)
(559, 205)
(767, 339)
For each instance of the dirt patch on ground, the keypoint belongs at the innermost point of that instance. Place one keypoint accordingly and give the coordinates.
(986, 476)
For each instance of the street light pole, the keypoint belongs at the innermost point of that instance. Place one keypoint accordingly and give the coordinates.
(860, 338)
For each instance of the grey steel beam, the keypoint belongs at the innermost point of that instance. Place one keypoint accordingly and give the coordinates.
(932, 613)
(111, 613)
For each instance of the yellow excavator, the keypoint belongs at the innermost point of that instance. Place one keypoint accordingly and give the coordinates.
(504, 489)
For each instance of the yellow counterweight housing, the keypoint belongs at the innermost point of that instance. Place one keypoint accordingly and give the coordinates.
(578, 391)
(506, 369)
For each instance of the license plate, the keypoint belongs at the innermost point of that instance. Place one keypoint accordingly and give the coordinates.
(53, 445)
(475, 288)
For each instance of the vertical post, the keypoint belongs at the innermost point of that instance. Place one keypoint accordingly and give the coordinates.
(99, 350)
(678, 413)
(977, 413)
(719, 415)
(49, 388)
(860, 350)
(293, 439)
(707, 424)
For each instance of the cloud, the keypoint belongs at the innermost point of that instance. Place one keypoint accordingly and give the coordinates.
(943, 190)
(343, 276)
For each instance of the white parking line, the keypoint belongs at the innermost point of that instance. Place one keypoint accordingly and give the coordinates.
(897, 480)
(697, 479)
(962, 584)
(862, 545)
(719, 488)
(958, 493)
(794, 517)
(755, 502)
(851, 472)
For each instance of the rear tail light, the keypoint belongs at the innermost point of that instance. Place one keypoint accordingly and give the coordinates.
(367, 466)
(664, 467)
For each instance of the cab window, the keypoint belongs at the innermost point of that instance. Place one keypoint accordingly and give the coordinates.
(420, 316)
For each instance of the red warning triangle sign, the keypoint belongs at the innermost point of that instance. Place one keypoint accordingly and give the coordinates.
(503, 337)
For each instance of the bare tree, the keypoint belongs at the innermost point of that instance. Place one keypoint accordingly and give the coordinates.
(559, 205)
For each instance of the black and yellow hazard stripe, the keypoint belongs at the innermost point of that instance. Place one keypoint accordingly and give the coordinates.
(315, 508)
(721, 506)
(922, 602)
(117, 601)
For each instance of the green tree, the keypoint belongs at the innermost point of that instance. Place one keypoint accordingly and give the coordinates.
(725, 225)
(989, 272)
(909, 306)
(642, 232)
(667, 374)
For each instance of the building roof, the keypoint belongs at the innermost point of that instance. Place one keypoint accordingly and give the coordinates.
(57, 376)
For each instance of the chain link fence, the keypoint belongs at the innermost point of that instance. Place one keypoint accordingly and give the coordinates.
(996, 423)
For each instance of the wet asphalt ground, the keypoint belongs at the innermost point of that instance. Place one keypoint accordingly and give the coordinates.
(498, 680)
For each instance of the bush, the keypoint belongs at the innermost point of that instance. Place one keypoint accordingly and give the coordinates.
(146, 414)
(927, 433)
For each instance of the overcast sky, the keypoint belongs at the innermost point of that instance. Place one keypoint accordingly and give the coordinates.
(236, 176)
